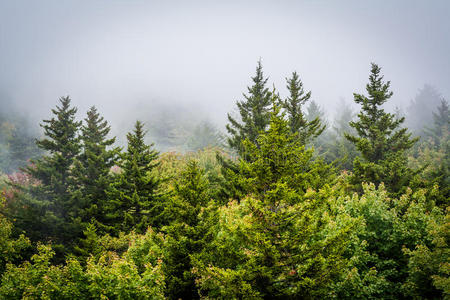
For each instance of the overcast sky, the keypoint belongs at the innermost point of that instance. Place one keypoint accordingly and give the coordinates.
(125, 56)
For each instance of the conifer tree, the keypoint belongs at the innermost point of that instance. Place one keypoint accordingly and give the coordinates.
(254, 113)
(293, 105)
(92, 168)
(380, 139)
(133, 198)
(184, 233)
(51, 198)
(271, 243)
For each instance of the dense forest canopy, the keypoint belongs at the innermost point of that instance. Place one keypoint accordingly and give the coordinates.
(286, 204)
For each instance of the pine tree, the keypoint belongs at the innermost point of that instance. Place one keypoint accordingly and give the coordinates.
(298, 123)
(380, 139)
(133, 199)
(51, 198)
(184, 233)
(270, 243)
(254, 113)
(92, 168)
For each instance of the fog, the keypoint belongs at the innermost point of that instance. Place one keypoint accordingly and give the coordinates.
(133, 59)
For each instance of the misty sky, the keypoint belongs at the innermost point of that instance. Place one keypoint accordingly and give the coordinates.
(127, 57)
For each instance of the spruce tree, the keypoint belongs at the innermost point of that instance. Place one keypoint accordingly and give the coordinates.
(281, 239)
(51, 198)
(184, 234)
(380, 138)
(254, 113)
(92, 168)
(306, 130)
(133, 200)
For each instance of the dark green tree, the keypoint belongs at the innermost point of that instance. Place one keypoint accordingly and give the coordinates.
(92, 168)
(134, 203)
(271, 244)
(254, 113)
(380, 139)
(306, 130)
(50, 201)
(433, 157)
(184, 233)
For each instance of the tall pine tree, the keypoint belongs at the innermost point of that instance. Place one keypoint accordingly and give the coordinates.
(306, 130)
(92, 168)
(133, 200)
(254, 113)
(380, 139)
(51, 198)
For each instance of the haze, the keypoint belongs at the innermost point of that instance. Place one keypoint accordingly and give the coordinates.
(130, 58)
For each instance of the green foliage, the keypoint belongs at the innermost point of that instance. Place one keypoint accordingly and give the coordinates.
(279, 250)
(254, 113)
(92, 168)
(380, 140)
(429, 265)
(133, 199)
(11, 249)
(274, 222)
(184, 233)
(279, 157)
(388, 228)
(135, 274)
(298, 123)
(282, 238)
(49, 199)
(434, 163)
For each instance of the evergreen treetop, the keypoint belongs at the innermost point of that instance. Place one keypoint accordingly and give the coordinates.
(380, 139)
(254, 112)
(379, 132)
(293, 105)
(52, 196)
(93, 165)
(134, 200)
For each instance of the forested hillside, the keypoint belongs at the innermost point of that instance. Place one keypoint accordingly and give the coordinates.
(284, 204)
